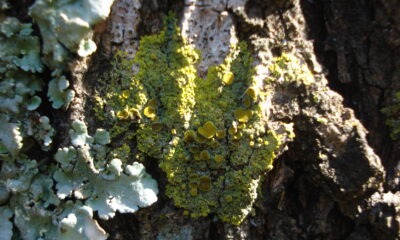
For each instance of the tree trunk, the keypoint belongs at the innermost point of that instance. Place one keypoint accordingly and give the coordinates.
(339, 177)
(351, 44)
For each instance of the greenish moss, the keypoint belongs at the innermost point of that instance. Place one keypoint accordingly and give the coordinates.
(210, 135)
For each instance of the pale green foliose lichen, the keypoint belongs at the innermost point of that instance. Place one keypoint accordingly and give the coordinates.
(26, 190)
(97, 180)
(212, 136)
(18, 47)
(4, 5)
(80, 223)
(32, 204)
(70, 221)
(19, 88)
(10, 136)
(66, 27)
(29, 196)
(5, 223)
(58, 92)
(106, 186)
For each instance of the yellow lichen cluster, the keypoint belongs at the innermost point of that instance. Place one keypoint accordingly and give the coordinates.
(211, 135)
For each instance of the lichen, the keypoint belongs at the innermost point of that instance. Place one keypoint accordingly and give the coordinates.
(20, 88)
(65, 27)
(58, 201)
(41, 197)
(58, 92)
(288, 68)
(108, 184)
(6, 225)
(212, 136)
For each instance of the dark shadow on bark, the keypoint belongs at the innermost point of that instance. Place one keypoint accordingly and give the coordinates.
(353, 42)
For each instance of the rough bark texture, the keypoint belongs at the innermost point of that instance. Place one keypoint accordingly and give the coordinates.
(329, 184)
(339, 178)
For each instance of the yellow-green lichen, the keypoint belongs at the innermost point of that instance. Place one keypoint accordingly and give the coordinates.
(243, 115)
(288, 68)
(208, 130)
(212, 143)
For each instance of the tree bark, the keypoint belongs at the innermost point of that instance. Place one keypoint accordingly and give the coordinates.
(339, 178)
(351, 46)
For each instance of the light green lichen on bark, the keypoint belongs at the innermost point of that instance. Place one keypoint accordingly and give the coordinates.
(211, 136)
